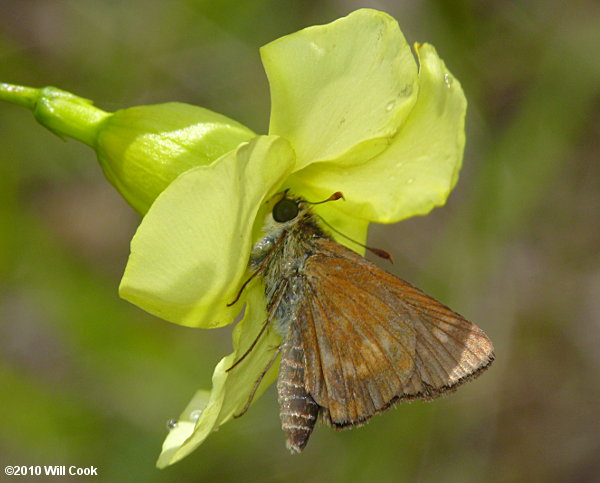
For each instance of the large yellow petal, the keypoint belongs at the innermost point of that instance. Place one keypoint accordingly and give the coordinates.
(191, 250)
(419, 168)
(341, 89)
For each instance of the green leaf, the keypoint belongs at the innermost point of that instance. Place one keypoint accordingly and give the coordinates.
(190, 253)
(341, 89)
(419, 168)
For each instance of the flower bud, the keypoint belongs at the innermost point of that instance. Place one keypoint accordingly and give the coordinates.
(141, 149)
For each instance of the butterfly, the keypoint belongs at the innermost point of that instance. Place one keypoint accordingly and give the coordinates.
(355, 339)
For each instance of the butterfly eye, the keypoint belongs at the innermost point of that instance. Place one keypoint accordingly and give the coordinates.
(285, 210)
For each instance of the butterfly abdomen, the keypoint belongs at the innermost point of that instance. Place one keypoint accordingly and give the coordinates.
(298, 410)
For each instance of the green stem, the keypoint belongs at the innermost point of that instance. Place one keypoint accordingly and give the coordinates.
(23, 96)
(63, 113)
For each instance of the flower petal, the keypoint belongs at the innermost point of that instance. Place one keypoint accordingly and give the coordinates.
(231, 390)
(191, 250)
(185, 427)
(341, 89)
(421, 165)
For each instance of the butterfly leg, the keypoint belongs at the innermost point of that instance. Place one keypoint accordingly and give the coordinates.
(270, 315)
(264, 263)
(257, 383)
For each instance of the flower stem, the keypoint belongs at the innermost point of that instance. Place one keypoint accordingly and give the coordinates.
(21, 95)
(63, 113)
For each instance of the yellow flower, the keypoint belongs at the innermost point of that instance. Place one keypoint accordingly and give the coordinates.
(351, 112)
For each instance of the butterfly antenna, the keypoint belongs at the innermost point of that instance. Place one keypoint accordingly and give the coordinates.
(375, 251)
(335, 196)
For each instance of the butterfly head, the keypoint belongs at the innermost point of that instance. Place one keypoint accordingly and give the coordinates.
(287, 210)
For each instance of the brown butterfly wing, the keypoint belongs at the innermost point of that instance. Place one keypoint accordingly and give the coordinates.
(371, 339)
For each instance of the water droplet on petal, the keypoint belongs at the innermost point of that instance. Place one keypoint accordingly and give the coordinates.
(390, 105)
(406, 90)
(171, 424)
(195, 414)
(319, 51)
(448, 80)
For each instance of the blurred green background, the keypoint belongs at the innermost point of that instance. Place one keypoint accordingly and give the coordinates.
(87, 379)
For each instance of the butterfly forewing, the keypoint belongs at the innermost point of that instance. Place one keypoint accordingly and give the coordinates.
(356, 364)
(371, 339)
